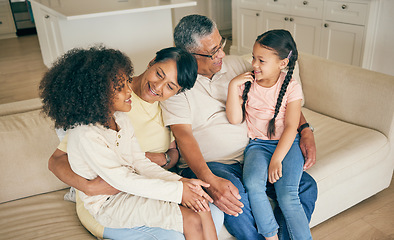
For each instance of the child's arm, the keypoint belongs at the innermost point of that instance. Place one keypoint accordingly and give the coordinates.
(234, 101)
(292, 118)
(92, 149)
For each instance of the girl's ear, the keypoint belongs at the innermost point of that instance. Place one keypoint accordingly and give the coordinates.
(283, 63)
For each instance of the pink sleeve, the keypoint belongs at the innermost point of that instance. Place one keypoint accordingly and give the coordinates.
(294, 91)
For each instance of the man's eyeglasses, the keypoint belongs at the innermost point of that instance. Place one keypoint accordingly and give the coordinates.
(215, 53)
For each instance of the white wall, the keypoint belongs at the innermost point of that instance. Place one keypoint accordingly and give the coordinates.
(383, 54)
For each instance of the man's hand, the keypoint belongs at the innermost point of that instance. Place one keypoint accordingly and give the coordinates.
(98, 186)
(225, 196)
(308, 148)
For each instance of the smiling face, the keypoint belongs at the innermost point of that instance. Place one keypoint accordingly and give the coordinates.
(266, 63)
(210, 45)
(122, 101)
(158, 82)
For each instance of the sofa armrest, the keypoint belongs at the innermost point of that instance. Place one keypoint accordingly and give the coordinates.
(348, 93)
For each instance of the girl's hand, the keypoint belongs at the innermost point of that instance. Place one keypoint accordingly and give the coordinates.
(194, 197)
(274, 171)
(242, 78)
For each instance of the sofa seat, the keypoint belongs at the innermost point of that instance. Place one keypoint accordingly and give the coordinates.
(45, 216)
(345, 152)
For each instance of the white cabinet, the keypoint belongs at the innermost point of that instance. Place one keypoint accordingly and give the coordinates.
(250, 26)
(343, 32)
(47, 26)
(306, 31)
(139, 30)
(334, 29)
(7, 27)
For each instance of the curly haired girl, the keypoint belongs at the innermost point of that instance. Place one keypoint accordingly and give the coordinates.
(87, 92)
(271, 104)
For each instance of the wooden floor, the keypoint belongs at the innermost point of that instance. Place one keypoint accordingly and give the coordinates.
(21, 69)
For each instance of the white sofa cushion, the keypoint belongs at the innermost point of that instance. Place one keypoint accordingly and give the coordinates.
(345, 152)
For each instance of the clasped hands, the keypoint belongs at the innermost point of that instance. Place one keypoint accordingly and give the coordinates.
(193, 196)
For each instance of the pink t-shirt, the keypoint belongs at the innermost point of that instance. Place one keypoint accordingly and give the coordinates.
(260, 107)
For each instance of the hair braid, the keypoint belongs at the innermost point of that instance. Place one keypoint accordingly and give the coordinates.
(245, 98)
(271, 124)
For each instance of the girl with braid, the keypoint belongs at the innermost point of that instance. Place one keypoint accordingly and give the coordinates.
(269, 99)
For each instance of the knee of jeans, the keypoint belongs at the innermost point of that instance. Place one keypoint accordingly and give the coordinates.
(253, 185)
(288, 198)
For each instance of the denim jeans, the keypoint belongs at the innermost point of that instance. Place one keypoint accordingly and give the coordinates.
(257, 159)
(142, 232)
(243, 227)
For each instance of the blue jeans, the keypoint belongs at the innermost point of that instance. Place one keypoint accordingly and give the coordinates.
(243, 227)
(143, 232)
(257, 159)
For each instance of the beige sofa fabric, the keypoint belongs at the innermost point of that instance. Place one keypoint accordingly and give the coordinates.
(42, 217)
(28, 140)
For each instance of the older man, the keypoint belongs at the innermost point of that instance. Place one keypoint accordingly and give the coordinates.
(211, 147)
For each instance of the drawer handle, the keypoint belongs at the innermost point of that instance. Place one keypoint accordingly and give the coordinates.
(46, 16)
(344, 6)
(326, 25)
(257, 14)
(275, 0)
(291, 19)
(1, 22)
(286, 19)
(305, 2)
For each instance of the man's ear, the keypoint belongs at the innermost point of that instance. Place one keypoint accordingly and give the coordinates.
(283, 63)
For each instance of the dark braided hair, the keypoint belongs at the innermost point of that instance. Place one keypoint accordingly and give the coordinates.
(283, 44)
(79, 87)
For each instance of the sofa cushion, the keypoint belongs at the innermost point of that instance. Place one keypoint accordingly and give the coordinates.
(345, 153)
(45, 216)
(27, 141)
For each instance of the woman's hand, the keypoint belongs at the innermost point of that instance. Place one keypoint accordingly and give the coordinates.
(194, 197)
(274, 171)
(98, 186)
(158, 158)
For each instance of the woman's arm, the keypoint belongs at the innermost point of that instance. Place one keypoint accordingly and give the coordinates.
(58, 164)
(160, 158)
(234, 101)
(292, 116)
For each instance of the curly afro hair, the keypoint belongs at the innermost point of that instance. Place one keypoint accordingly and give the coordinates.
(79, 87)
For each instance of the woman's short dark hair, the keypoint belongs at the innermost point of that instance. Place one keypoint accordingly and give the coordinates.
(79, 87)
(185, 62)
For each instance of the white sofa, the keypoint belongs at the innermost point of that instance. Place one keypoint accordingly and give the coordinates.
(350, 108)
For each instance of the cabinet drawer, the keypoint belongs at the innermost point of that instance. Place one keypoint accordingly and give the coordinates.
(308, 8)
(277, 6)
(6, 23)
(347, 12)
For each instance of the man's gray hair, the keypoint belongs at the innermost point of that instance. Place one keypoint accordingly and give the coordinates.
(191, 29)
